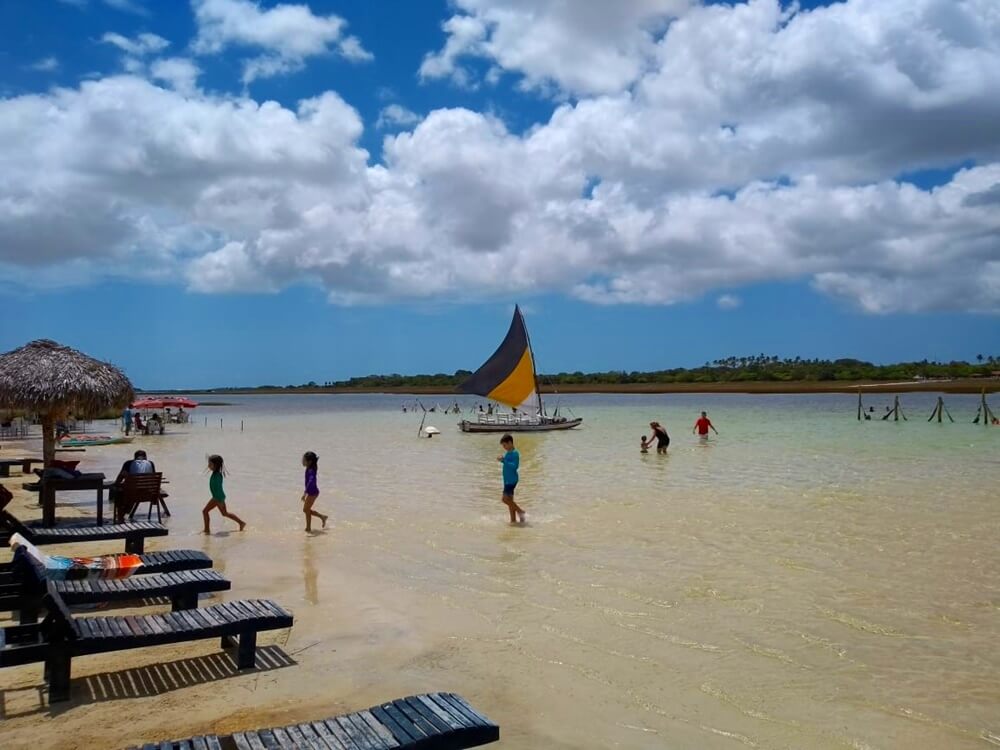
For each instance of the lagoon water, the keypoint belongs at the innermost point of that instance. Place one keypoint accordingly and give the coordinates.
(801, 581)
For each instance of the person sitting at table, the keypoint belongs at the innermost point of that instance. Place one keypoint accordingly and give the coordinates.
(155, 425)
(138, 464)
(139, 426)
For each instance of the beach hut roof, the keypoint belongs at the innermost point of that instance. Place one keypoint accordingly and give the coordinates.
(44, 376)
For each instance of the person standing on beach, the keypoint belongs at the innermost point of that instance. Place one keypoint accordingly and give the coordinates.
(311, 461)
(511, 461)
(701, 426)
(662, 438)
(127, 420)
(218, 501)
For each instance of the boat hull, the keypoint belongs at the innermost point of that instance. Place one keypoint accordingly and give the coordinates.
(93, 443)
(569, 424)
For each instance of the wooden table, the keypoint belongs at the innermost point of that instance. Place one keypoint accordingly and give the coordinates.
(49, 487)
(24, 463)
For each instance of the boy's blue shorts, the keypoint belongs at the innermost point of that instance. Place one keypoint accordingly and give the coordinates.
(508, 489)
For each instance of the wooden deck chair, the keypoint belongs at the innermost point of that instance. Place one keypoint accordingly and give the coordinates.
(60, 636)
(433, 721)
(138, 489)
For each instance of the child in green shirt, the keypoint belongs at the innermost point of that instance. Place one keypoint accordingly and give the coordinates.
(217, 467)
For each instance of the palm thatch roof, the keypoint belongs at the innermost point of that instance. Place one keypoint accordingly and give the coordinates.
(44, 376)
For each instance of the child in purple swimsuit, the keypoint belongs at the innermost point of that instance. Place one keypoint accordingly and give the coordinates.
(311, 461)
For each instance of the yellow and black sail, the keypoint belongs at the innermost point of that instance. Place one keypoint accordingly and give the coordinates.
(508, 377)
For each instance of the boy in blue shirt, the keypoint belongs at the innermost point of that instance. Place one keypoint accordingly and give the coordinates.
(510, 459)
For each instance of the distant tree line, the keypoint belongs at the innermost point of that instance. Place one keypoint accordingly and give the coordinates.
(754, 368)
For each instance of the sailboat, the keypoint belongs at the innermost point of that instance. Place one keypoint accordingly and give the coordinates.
(509, 378)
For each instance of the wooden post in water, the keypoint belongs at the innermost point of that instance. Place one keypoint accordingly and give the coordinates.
(940, 411)
(984, 411)
(220, 423)
(241, 425)
(860, 407)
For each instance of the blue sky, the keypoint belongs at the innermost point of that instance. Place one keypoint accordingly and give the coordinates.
(659, 186)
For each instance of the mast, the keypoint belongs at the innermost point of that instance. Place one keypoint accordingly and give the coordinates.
(534, 369)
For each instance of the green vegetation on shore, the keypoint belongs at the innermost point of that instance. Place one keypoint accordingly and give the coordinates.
(732, 370)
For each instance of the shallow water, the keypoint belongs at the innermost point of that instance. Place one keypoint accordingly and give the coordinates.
(801, 581)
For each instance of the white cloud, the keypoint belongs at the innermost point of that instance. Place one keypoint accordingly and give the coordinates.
(753, 146)
(128, 6)
(728, 302)
(287, 34)
(139, 46)
(45, 65)
(134, 7)
(179, 72)
(396, 115)
(583, 47)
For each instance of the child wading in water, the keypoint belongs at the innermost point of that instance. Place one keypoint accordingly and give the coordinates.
(510, 459)
(218, 500)
(311, 461)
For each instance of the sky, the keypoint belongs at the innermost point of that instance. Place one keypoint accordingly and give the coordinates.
(243, 192)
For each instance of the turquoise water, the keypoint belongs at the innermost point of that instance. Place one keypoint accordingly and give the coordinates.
(803, 580)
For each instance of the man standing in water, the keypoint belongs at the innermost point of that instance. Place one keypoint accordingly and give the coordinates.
(701, 426)
(662, 438)
(511, 460)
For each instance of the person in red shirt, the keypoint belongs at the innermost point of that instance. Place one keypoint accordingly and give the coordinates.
(702, 425)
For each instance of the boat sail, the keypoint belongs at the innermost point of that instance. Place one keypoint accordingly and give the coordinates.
(508, 377)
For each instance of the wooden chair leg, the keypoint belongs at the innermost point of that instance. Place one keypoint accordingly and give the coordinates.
(28, 615)
(57, 672)
(246, 654)
(135, 544)
(187, 600)
(166, 510)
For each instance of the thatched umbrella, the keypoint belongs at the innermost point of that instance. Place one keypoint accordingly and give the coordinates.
(54, 381)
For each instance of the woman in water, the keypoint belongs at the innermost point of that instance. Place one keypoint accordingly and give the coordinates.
(311, 461)
(662, 438)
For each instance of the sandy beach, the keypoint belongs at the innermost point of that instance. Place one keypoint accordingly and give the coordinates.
(319, 668)
(802, 580)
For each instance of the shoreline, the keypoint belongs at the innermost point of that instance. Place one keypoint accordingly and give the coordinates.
(961, 386)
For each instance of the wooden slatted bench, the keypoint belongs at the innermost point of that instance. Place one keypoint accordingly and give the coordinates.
(60, 636)
(181, 588)
(24, 463)
(432, 721)
(22, 589)
(134, 533)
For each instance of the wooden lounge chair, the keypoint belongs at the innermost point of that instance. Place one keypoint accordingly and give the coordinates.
(434, 721)
(134, 533)
(182, 588)
(60, 637)
(136, 490)
(22, 588)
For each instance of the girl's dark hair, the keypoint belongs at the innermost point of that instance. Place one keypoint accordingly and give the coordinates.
(215, 461)
(312, 459)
